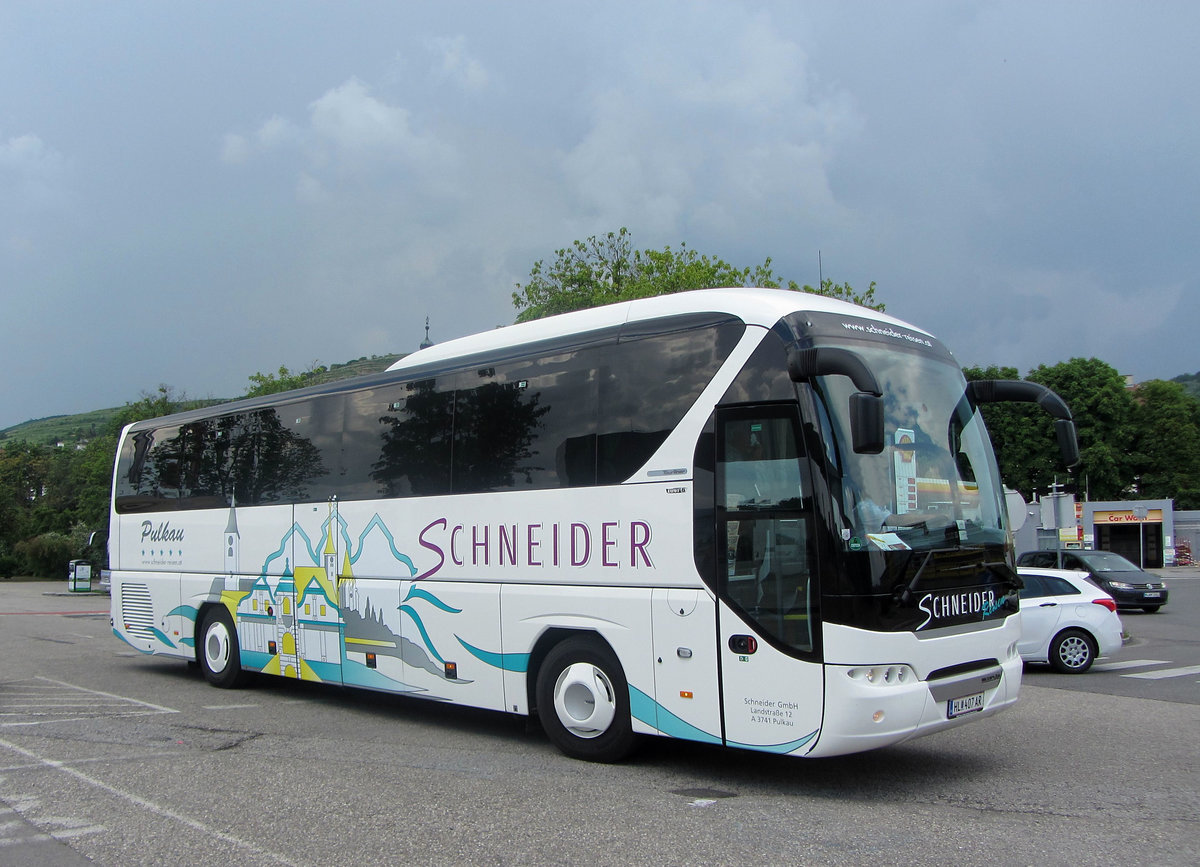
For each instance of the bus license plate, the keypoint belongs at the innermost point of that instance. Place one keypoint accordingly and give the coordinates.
(966, 704)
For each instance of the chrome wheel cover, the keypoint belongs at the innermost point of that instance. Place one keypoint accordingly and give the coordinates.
(584, 700)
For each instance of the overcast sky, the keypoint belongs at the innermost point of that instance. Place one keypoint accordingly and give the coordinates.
(194, 192)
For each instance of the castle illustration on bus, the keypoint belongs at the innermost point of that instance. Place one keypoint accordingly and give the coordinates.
(759, 518)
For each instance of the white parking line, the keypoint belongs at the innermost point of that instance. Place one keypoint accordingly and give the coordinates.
(1128, 663)
(120, 698)
(1185, 671)
(145, 804)
(229, 706)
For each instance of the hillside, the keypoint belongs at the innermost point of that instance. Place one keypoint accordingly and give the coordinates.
(85, 425)
(1191, 382)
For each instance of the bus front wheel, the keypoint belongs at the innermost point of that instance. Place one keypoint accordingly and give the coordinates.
(583, 701)
(219, 656)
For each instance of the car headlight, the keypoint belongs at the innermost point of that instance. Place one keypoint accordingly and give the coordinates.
(1120, 585)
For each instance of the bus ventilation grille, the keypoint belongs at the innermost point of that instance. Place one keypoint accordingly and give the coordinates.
(137, 612)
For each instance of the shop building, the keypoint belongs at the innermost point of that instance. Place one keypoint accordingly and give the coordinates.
(1145, 532)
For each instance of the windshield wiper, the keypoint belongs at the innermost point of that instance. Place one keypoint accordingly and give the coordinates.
(905, 594)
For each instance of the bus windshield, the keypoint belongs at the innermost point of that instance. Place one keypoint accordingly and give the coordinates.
(935, 485)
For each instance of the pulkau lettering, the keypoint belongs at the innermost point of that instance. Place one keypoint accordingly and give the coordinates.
(161, 533)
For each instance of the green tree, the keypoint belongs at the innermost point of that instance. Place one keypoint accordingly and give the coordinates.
(163, 401)
(23, 471)
(1166, 443)
(1190, 383)
(285, 380)
(1102, 407)
(606, 269)
(1022, 437)
(1106, 422)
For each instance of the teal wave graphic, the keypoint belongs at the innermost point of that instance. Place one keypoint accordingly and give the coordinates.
(356, 674)
(186, 611)
(117, 633)
(417, 593)
(649, 711)
(416, 618)
(518, 662)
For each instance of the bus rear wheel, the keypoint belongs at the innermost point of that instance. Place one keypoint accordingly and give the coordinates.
(218, 654)
(583, 701)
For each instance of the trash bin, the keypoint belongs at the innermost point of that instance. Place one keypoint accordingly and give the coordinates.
(79, 576)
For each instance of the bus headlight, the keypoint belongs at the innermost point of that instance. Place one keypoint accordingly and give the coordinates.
(882, 675)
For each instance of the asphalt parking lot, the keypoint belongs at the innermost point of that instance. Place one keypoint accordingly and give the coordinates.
(109, 757)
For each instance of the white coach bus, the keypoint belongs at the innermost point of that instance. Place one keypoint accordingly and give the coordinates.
(757, 518)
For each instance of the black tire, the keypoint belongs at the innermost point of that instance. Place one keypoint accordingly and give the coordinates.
(583, 701)
(1150, 609)
(218, 652)
(1072, 651)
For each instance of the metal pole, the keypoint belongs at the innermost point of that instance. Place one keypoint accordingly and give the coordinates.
(1140, 512)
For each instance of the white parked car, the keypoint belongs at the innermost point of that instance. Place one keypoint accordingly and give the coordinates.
(1066, 620)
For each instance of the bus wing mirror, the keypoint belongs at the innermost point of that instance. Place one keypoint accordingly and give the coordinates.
(866, 407)
(1068, 442)
(866, 423)
(1023, 391)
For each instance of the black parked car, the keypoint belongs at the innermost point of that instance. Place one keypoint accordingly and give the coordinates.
(1112, 573)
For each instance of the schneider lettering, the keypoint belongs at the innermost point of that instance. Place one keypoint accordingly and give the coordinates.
(950, 605)
(610, 544)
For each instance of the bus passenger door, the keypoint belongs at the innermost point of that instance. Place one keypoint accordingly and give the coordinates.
(771, 676)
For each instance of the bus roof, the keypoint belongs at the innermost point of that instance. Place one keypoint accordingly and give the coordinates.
(754, 306)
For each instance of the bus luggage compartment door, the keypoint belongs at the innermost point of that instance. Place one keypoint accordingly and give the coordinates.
(687, 700)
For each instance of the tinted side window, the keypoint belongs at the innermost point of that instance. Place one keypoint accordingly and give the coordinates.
(397, 440)
(1059, 587)
(1034, 588)
(646, 385)
(297, 452)
(525, 424)
(131, 463)
(764, 377)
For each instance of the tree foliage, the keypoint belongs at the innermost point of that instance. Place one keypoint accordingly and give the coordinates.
(606, 269)
(285, 380)
(1190, 383)
(52, 499)
(1165, 453)
(1101, 405)
(1134, 443)
(1021, 436)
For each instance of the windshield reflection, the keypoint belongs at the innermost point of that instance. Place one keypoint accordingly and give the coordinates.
(935, 484)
